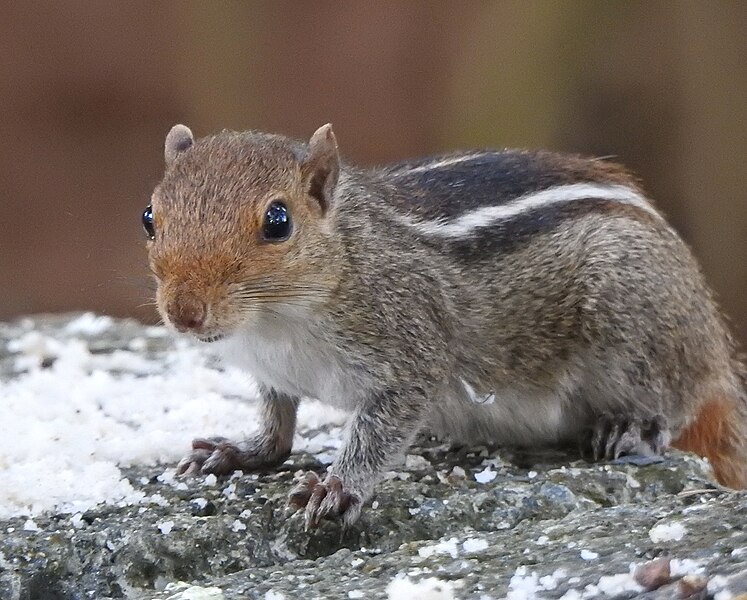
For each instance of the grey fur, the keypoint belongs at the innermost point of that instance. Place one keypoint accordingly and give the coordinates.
(178, 140)
(566, 314)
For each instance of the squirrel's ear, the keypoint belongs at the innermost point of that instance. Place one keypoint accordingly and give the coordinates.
(321, 166)
(178, 140)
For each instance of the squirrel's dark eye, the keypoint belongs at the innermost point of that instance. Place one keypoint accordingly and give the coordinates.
(148, 222)
(277, 225)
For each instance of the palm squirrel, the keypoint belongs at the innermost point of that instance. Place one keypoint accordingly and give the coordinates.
(511, 297)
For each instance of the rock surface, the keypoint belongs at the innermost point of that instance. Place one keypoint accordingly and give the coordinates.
(473, 523)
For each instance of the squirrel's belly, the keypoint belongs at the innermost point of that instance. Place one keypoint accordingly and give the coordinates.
(505, 416)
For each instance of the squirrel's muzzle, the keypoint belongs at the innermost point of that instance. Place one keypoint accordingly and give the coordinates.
(187, 313)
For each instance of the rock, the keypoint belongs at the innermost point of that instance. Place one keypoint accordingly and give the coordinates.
(545, 525)
(653, 574)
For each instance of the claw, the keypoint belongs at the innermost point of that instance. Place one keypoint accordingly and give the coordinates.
(613, 435)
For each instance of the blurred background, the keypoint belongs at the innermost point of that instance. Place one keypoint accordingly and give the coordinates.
(89, 89)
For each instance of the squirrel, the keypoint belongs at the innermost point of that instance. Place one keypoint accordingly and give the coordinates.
(512, 297)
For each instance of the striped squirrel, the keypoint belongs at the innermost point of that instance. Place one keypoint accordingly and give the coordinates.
(514, 297)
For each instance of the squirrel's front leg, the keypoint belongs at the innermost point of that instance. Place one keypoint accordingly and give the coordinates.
(379, 431)
(270, 446)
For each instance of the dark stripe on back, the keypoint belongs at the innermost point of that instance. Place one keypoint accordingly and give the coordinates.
(492, 179)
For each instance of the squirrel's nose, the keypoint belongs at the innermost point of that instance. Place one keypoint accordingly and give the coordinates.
(187, 313)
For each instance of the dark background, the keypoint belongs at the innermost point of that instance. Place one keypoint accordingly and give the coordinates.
(89, 89)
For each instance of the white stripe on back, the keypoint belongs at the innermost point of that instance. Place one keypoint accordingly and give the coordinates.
(465, 224)
(446, 162)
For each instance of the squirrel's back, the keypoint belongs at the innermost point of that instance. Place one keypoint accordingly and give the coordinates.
(485, 206)
(449, 185)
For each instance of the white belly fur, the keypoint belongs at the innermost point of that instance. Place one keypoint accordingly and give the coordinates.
(510, 419)
(509, 415)
(292, 365)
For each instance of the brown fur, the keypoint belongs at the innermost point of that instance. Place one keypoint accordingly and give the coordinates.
(237, 255)
(715, 434)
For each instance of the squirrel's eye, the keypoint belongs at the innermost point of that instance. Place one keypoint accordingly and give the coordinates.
(148, 222)
(277, 225)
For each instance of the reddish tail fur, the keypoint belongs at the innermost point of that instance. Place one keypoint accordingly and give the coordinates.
(717, 433)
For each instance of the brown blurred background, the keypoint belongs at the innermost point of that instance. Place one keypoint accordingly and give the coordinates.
(89, 89)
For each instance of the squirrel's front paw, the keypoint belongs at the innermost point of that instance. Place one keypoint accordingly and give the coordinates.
(220, 456)
(325, 499)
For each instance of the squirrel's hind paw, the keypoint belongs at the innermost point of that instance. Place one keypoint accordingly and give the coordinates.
(613, 436)
(326, 499)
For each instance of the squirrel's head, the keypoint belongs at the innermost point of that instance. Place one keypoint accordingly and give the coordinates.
(240, 230)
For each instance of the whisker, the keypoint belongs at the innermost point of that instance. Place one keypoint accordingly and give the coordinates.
(308, 298)
(273, 295)
(260, 297)
(267, 304)
(265, 282)
(295, 290)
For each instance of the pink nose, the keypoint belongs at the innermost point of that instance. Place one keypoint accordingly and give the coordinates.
(187, 313)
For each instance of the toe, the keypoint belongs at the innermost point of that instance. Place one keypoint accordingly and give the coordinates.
(222, 460)
(599, 435)
(337, 500)
(629, 442)
(656, 434)
(299, 496)
(316, 508)
(202, 444)
(192, 463)
(187, 467)
(614, 432)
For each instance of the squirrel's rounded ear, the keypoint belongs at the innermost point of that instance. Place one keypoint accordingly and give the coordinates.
(321, 166)
(178, 140)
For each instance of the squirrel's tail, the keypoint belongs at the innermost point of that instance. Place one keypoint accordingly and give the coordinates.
(719, 433)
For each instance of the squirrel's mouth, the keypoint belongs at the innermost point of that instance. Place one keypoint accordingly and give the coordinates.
(211, 338)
